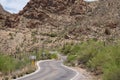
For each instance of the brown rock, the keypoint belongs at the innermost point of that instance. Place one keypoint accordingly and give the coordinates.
(79, 8)
(12, 21)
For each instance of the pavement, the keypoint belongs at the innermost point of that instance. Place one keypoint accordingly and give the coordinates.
(51, 70)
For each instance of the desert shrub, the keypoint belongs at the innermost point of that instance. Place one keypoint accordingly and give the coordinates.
(66, 49)
(107, 31)
(7, 63)
(97, 57)
(52, 35)
(98, 60)
(112, 73)
(111, 68)
(86, 51)
(71, 59)
(54, 56)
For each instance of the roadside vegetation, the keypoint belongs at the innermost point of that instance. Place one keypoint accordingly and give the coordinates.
(8, 64)
(100, 58)
(17, 65)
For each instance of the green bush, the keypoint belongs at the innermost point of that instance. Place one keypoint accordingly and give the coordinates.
(66, 49)
(111, 68)
(54, 56)
(71, 58)
(111, 72)
(97, 57)
(7, 64)
(52, 35)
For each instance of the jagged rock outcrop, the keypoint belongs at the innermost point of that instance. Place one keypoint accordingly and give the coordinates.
(12, 21)
(3, 15)
(7, 19)
(52, 12)
(2, 11)
(53, 6)
(39, 9)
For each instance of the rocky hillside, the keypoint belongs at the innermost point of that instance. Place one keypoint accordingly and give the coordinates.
(56, 22)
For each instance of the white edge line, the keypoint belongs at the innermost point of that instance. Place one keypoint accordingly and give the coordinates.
(38, 69)
(77, 73)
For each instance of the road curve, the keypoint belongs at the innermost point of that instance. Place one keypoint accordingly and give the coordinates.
(51, 70)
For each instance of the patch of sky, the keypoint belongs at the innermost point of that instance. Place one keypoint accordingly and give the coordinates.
(13, 6)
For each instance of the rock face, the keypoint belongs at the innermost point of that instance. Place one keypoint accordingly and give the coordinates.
(2, 15)
(53, 6)
(53, 10)
(2, 11)
(56, 22)
(8, 20)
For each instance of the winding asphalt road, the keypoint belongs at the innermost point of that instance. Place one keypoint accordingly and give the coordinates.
(51, 70)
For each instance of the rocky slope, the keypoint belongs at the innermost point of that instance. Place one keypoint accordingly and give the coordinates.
(56, 22)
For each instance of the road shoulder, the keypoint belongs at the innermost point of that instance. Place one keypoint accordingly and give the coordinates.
(84, 74)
